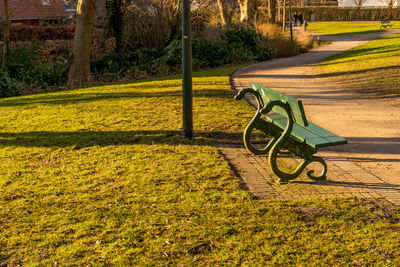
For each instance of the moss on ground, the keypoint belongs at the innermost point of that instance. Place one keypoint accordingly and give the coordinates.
(101, 176)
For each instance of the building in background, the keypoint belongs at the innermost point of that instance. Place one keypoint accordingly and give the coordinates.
(368, 3)
(34, 12)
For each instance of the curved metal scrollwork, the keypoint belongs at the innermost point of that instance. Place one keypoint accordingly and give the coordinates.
(322, 176)
(278, 140)
(284, 177)
(258, 123)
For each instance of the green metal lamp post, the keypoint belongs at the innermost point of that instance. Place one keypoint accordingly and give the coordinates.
(290, 22)
(187, 95)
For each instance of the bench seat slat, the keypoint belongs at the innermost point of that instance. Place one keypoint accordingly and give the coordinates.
(296, 105)
(312, 135)
(333, 138)
(299, 132)
(336, 140)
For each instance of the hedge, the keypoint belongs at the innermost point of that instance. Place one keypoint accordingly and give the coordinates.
(349, 14)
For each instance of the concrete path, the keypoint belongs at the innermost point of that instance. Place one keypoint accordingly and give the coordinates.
(371, 124)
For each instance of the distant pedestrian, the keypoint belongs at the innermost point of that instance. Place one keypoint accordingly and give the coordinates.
(295, 18)
(300, 18)
(305, 24)
(312, 16)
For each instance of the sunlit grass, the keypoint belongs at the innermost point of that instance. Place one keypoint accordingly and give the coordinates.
(374, 66)
(101, 176)
(346, 27)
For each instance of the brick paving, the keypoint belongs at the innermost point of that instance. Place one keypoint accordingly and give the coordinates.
(344, 179)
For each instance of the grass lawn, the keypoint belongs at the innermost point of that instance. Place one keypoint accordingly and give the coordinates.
(346, 27)
(372, 67)
(101, 176)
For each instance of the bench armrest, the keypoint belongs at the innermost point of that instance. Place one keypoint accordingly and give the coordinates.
(256, 94)
(283, 104)
(286, 107)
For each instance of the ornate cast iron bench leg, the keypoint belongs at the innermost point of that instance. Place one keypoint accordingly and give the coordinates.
(273, 154)
(277, 141)
(284, 177)
(257, 123)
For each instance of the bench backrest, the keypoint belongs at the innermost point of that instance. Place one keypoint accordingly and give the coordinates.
(296, 105)
(385, 21)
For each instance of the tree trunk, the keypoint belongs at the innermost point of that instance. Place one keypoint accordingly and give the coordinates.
(226, 17)
(116, 22)
(359, 3)
(246, 10)
(79, 74)
(284, 15)
(6, 32)
(272, 11)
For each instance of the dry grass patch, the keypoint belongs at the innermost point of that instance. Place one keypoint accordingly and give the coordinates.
(279, 41)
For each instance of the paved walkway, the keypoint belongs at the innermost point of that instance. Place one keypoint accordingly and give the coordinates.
(369, 166)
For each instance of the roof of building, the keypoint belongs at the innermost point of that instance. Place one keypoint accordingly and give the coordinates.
(50, 8)
(33, 9)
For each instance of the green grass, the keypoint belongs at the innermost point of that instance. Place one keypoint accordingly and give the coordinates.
(372, 67)
(101, 176)
(345, 27)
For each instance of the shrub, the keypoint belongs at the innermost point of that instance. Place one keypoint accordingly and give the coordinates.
(148, 26)
(246, 44)
(28, 65)
(208, 53)
(112, 65)
(154, 24)
(9, 86)
(242, 37)
(234, 46)
(27, 33)
(237, 45)
(172, 57)
(304, 39)
(279, 42)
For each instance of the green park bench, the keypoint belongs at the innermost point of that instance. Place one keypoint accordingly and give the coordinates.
(385, 24)
(287, 128)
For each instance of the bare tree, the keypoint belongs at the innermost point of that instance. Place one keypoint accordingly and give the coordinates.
(389, 3)
(7, 28)
(6, 32)
(271, 10)
(79, 74)
(247, 9)
(114, 10)
(171, 7)
(226, 16)
(359, 3)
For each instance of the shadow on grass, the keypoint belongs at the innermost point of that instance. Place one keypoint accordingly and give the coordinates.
(361, 52)
(314, 76)
(78, 97)
(112, 138)
(351, 33)
(339, 73)
(362, 35)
